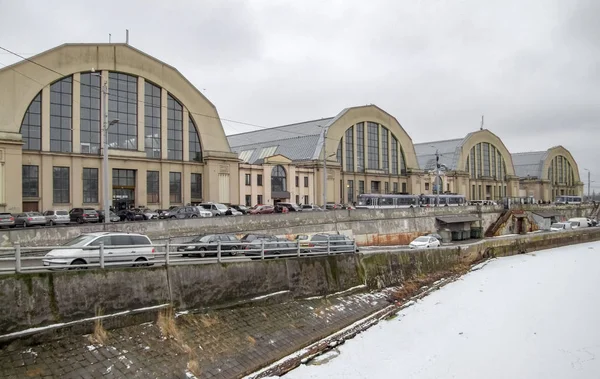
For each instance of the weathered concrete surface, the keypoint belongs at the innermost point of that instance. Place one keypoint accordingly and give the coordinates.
(35, 300)
(223, 344)
(369, 227)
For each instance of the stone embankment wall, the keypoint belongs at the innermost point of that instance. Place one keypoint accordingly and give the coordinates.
(41, 299)
(369, 227)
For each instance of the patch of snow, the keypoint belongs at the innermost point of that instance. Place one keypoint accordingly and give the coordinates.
(109, 369)
(313, 298)
(190, 375)
(444, 341)
(91, 347)
(128, 363)
(30, 351)
(181, 313)
(269, 295)
(348, 290)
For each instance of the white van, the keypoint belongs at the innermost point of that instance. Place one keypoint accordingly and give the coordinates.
(560, 226)
(580, 222)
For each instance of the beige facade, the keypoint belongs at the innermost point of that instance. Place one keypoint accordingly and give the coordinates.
(545, 175)
(49, 124)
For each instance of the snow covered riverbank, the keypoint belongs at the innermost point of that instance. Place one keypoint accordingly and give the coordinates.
(525, 316)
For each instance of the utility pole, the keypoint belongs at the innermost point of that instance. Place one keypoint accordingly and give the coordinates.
(324, 168)
(437, 178)
(589, 182)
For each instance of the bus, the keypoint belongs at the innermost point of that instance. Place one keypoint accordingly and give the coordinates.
(563, 199)
(445, 200)
(378, 201)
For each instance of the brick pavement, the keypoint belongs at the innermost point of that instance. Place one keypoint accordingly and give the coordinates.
(218, 344)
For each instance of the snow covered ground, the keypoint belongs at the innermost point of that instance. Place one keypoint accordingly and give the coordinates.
(526, 316)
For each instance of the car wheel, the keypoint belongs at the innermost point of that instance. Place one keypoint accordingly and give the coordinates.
(202, 253)
(51, 223)
(77, 265)
(80, 220)
(194, 216)
(234, 250)
(173, 217)
(217, 215)
(25, 224)
(140, 262)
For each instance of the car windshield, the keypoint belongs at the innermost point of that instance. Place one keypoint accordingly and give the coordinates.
(82, 240)
(301, 237)
(221, 207)
(422, 239)
(557, 226)
(202, 239)
(242, 207)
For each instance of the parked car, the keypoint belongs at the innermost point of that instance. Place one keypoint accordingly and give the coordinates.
(292, 207)
(424, 242)
(57, 217)
(7, 220)
(332, 206)
(217, 209)
(273, 246)
(113, 216)
(208, 244)
(251, 237)
(131, 215)
(81, 215)
(338, 243)
(27, 219)
(348, 207)
(580, 222)
(304, 240)
(182, 212)
(241, 208)
(119, 248)
(435, 235)
(233, 212)
(281, 209)
(203, 212)
(560, 226)
(150, 214)
(310, 208)
(262, 210)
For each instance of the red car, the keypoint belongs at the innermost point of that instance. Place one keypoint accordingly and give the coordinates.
(262, 210)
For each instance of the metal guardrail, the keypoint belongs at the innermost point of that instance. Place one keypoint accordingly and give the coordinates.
(15, 259)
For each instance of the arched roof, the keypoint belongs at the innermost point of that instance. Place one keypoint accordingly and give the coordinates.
(337, 126)
(26, 79)
(535, 164)
(454, 152)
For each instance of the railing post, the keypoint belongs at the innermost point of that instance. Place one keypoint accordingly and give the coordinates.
(101, 252)
(17, 257)
(262, 249)
(298, 252)
(219, 251)
(167, 251)
(328, 245)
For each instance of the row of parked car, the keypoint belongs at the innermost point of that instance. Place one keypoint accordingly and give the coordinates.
(137, 249)
(573, 223)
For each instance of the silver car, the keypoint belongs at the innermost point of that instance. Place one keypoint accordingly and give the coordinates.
(27, 219)
(7, 219)
(150, 214)
(56, 217)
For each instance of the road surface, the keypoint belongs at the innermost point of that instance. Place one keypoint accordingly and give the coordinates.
(526, 316)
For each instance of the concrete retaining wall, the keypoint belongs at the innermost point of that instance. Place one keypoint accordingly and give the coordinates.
(35, 300)
(369, 227)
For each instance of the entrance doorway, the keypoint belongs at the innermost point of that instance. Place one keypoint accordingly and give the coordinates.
(123, 184)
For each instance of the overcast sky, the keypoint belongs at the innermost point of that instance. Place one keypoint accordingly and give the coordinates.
(532, 67)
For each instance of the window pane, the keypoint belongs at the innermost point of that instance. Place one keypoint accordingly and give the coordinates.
(30, 177)
(152, 112)
(153, 186)
(360, 147)
(61, 185)
(60, 115)
(90, 185)
(196, 187)
(174, 129)
(90, 113)
(194, 138)
(32, 125)
(373, 145)
(122, 105)
(175, 187)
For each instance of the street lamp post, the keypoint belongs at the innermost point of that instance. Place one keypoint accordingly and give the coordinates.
(105, 192)
(589, 182)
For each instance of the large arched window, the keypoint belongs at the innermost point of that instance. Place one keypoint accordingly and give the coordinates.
(61, 114)
(89, 107)
(31, 126)
(122, 106)
(485, 160)
(278, 181)
(374, 142)
(174, 129)
(195, 147)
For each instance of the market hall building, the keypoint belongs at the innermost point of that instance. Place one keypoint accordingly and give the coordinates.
(168, 146)
(364, 150)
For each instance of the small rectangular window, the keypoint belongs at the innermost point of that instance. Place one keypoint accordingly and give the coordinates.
(196, 187)
(30, 178)
(259, 199)
(152, 187)
(297, 199)
(306, 181)
(297, 181)
(248, 200)
(175, 187)
(61, 186)
(90, 185)
(426, 186)
(259, 181)
(248, 179)
(305, 199)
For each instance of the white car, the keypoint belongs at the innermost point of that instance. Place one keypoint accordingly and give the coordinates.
(234, 212)
(204, 212)
(424, 242)
(560, 226)
(119, 248)
(150, 214)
